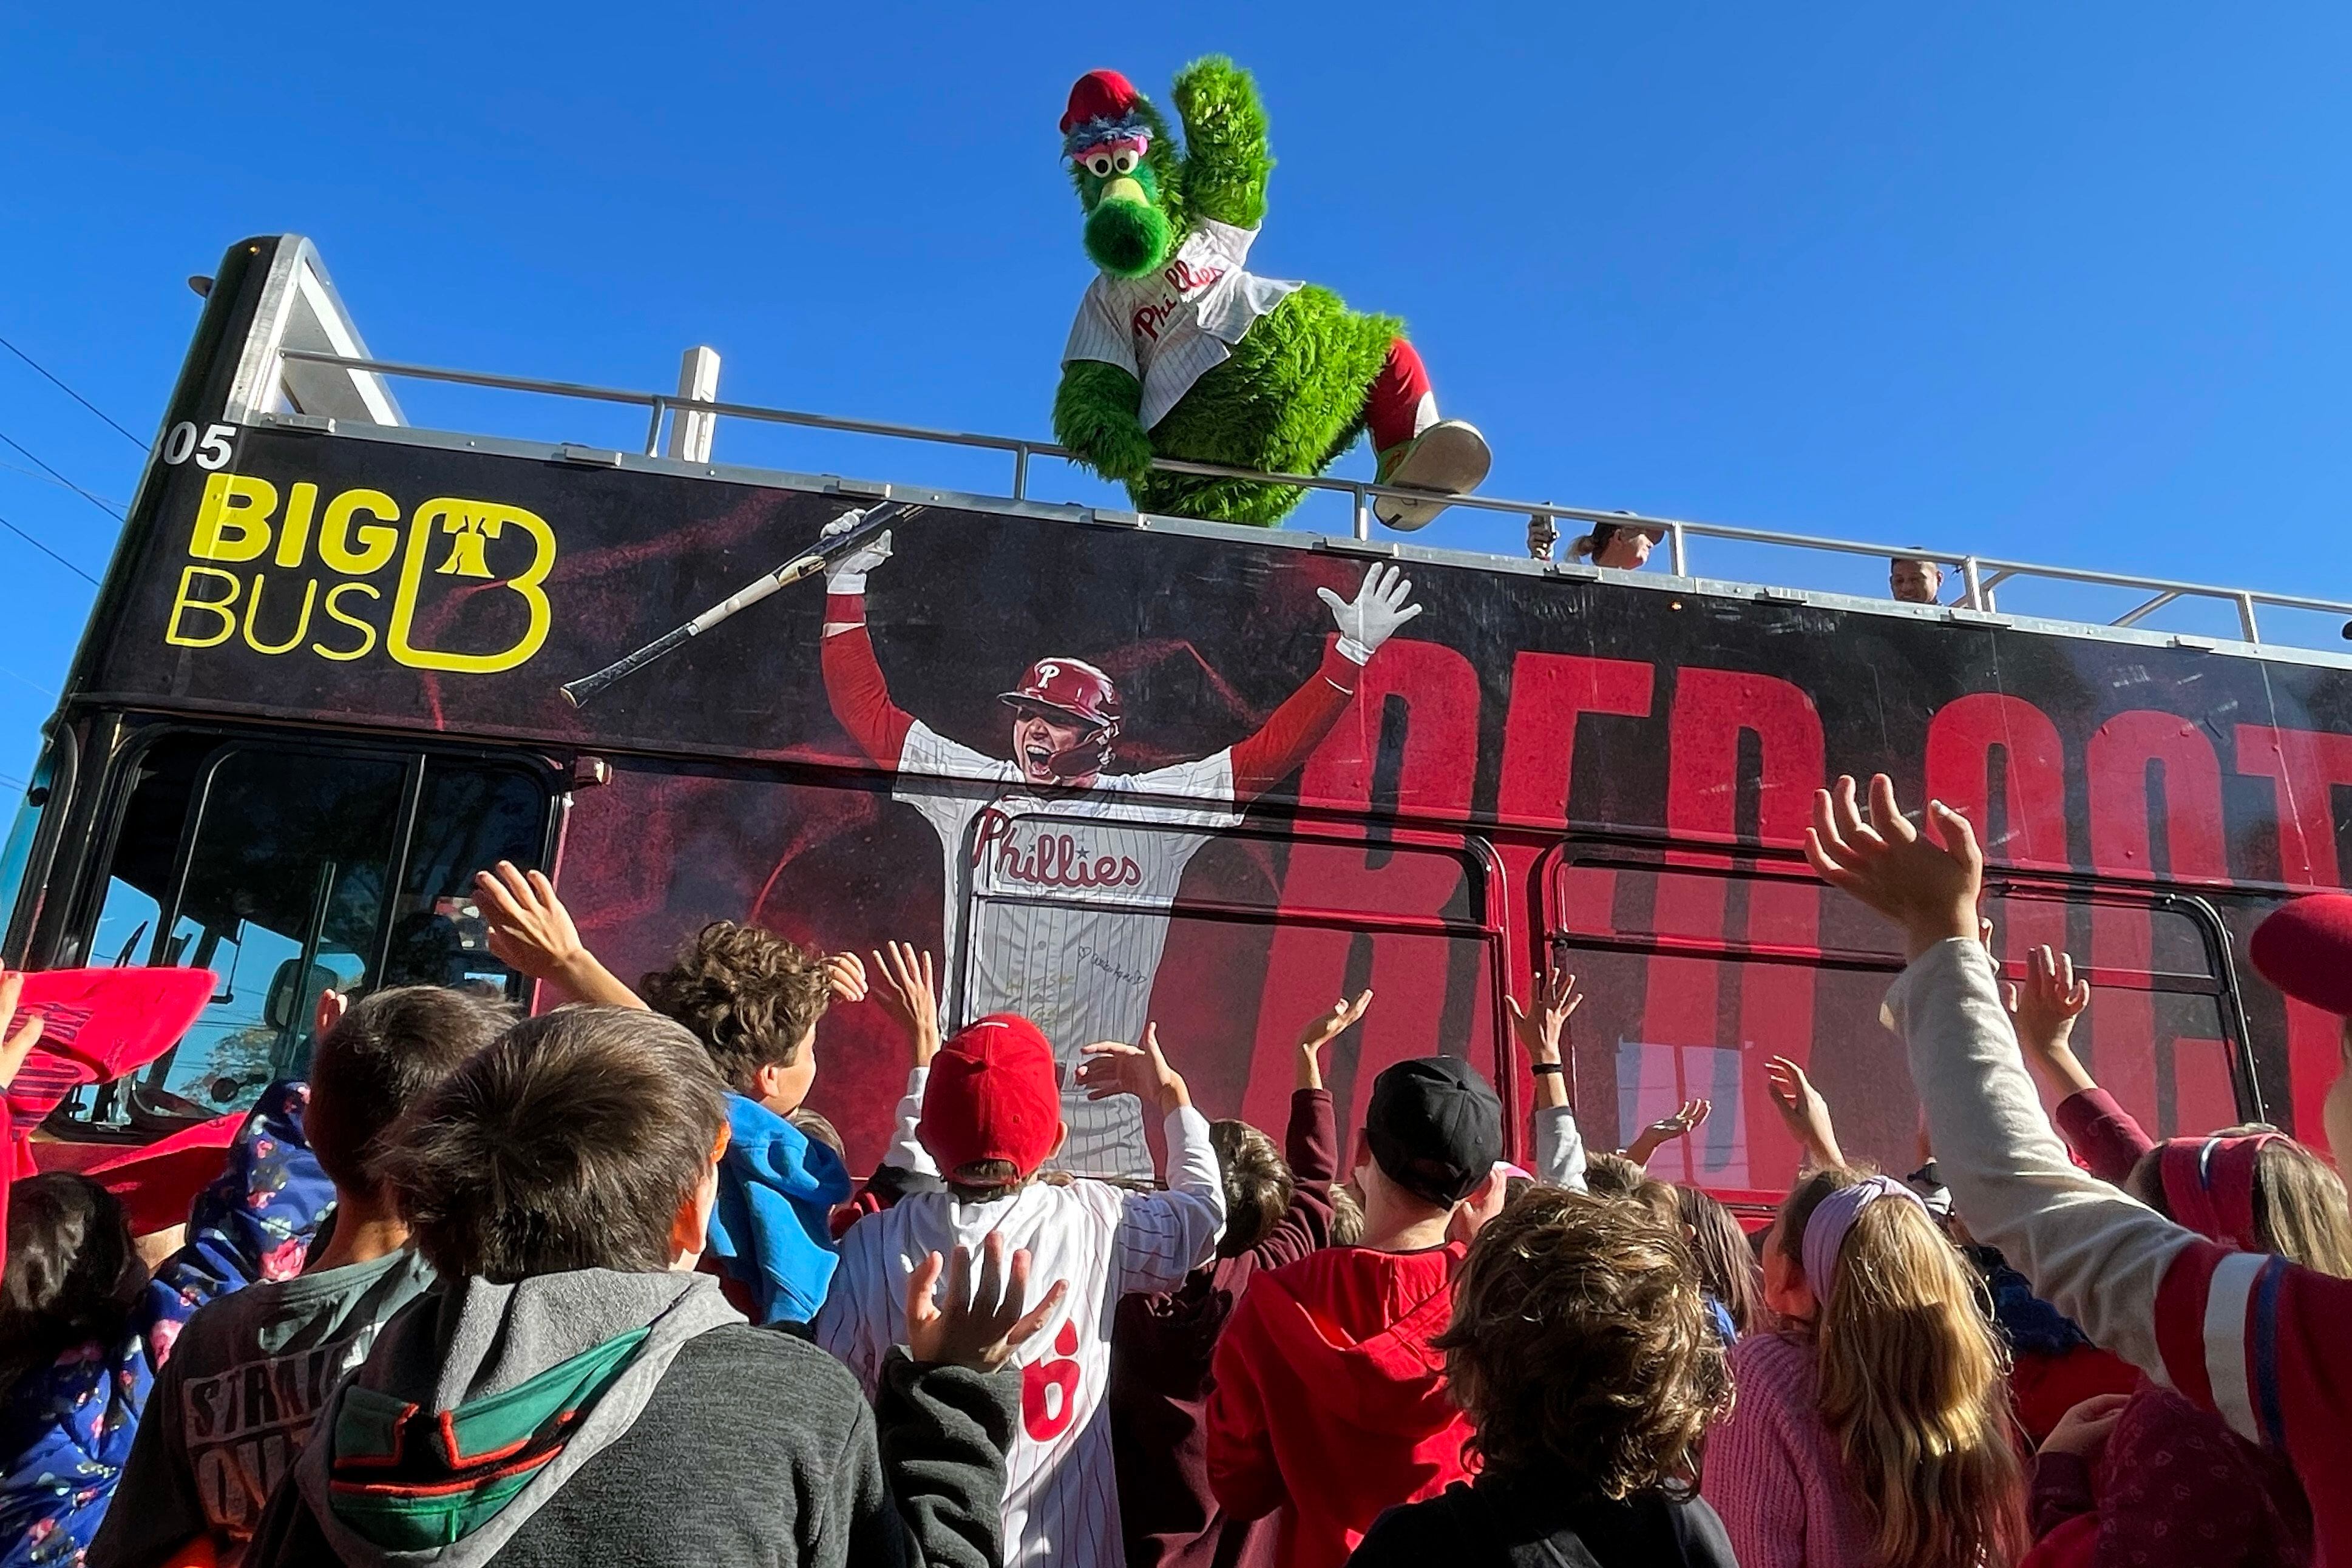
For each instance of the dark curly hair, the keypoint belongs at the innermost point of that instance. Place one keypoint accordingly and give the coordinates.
(749, 995)
(1258, 1185)
(1579, 1349)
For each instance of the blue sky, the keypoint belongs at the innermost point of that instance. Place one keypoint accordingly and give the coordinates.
(2058, 283)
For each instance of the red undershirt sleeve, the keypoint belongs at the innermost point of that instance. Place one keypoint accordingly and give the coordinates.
(1296, 728)
(854, 682)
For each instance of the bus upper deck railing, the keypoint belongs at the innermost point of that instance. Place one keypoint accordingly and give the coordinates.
(1979, 574)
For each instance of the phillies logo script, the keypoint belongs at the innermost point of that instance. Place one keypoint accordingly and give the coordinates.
(1053, 860)
(1185, 279)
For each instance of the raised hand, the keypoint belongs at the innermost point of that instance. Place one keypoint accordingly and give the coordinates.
(1928, 885)
(531, 933)
(844, 976)
(14, 1047)
(1803, 1111)
(1320, 1031)
(1114, 1067)
(2044, 1008)
(1666, 1128)
(909, 993)
(1382, 603)
(979, 1329)
(1556, 999)
(847, 575)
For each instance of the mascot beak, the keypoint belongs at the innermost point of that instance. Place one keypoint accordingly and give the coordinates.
(1124, 188)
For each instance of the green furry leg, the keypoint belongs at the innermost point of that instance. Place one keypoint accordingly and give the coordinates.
(1289, 401)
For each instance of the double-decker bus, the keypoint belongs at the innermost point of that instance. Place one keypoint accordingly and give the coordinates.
(323, 684)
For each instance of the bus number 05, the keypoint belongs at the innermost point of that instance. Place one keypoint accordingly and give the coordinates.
(210, 450)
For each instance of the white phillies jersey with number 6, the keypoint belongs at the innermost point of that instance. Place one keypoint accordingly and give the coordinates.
(1061, 1494)
(1070, 891)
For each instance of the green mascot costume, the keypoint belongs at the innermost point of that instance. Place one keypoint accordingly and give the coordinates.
(1180, 352)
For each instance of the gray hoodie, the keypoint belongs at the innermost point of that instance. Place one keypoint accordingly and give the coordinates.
(605, 1416)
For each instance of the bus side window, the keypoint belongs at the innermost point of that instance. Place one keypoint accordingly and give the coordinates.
(284, 871)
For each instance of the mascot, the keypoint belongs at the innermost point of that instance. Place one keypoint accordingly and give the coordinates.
(1180, 352)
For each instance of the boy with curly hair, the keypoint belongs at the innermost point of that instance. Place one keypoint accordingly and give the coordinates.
(753, 998)
(1584, 1358)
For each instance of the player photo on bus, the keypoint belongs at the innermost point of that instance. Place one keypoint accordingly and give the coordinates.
(1069, 870)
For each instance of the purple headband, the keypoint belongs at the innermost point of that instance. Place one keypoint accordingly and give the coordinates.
(1825, 1231)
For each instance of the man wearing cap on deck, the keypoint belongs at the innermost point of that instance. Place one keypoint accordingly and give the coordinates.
(1329, 1405)
(2248, 1336)
(990, 1116)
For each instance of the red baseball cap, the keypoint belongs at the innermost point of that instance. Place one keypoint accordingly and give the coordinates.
(993, 1094)
(1099, 95)
(2304, 948)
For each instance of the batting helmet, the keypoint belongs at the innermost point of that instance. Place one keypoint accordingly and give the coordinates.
(1074, 690)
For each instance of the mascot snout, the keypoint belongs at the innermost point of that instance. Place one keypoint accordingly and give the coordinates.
(1126, 234)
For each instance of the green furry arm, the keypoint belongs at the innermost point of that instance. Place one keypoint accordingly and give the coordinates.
(1225, 160)
(1094, 416)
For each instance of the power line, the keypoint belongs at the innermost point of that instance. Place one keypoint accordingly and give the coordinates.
(110, 511)
(70, 392)
(44, 478)
(46, 551)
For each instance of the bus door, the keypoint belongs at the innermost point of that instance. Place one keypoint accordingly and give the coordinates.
(1232, 938)
(1701, 963)
(287, 866)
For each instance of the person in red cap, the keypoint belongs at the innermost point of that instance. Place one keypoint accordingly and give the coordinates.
(2251, 1336)
(1073, 866)
(991, 1118)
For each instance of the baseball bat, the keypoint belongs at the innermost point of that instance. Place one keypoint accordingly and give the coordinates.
(808, 564)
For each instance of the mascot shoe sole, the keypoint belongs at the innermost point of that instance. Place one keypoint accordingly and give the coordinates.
(1449, 458)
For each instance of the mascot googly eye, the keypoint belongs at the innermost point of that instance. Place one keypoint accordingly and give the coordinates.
(1180, 352)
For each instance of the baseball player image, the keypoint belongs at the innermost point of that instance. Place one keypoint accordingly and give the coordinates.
(1074, 868)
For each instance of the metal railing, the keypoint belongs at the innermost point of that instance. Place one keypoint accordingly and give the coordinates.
(1979, 575)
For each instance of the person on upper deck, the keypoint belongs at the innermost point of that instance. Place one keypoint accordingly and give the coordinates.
(1915, 579)
(1623, 546)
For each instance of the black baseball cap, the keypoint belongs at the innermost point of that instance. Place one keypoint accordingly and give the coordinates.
(1435, 1128)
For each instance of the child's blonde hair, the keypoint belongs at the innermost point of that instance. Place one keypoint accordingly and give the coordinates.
(1913, 1381)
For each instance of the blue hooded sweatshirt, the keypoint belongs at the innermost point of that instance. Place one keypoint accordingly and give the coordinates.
(770, 1229)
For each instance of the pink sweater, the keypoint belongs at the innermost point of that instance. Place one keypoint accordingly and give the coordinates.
(1773, 1470)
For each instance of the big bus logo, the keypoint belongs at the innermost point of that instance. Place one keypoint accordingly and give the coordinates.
(355, 538)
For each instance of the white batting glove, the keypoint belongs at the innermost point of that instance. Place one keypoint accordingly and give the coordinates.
(847, 575)
(1380, 608)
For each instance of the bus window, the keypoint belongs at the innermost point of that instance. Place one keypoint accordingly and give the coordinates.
(1698, 967)
(285, 871)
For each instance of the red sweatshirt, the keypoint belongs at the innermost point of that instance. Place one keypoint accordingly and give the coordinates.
(855, 684)
(1329, 1405)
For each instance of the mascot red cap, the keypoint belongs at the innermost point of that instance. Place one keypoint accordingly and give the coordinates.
(1099, 95)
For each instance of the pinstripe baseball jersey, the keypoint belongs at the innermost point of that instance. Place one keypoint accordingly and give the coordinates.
(1172, 327)
(1061, 1495)
(1070, 893)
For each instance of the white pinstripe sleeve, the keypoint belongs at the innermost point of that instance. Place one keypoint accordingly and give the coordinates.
(844, 1326)
(1164, 1236)
(906, 1151)
(1095, 335)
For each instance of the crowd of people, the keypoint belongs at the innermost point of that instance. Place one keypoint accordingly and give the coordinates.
(598, 1286)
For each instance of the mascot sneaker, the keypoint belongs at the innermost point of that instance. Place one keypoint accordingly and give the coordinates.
(1449, 458)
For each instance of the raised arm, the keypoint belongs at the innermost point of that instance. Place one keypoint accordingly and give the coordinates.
(531, 933)
(1542, 1034)
(1225, 156)
(852, 676)
(1162, 1236)
(1310, 1144)
(2044, 1009)
(2092, 1252)
(1381, 605)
